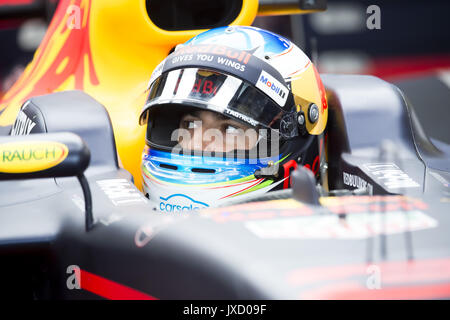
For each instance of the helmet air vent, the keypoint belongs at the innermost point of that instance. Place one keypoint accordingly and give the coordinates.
(203, 170)
(168, 166)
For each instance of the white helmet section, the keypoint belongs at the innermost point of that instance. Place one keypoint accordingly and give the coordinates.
(281, 53)
(192, 198)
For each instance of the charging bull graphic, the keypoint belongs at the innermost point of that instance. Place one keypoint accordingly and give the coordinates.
(85, 50)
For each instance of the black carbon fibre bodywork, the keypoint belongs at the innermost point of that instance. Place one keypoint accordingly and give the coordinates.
(247, 251)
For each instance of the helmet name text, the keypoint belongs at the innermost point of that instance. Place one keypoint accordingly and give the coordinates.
(241, 117)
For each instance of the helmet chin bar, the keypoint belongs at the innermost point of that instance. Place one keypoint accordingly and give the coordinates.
(272, 171)
(301, 144)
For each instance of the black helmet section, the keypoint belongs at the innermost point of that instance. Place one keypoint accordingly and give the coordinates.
(237, 64)
(162, 134)
(224, 94)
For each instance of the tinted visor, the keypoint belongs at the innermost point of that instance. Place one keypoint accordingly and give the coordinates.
(219, 92)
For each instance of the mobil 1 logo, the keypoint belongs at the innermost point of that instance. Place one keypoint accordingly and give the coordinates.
(272, 87)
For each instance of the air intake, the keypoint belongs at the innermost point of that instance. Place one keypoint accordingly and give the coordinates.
(202, 170)
(168, 166)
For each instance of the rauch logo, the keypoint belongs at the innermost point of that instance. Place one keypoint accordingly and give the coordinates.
(31, 156)
(180, 202)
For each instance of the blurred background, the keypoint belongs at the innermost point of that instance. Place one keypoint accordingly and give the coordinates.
(411, 47)
(413, 36)
(23, 24)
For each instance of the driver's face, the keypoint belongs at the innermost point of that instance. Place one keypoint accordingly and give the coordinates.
(210, 131)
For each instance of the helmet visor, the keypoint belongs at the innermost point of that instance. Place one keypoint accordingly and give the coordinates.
(221, 93)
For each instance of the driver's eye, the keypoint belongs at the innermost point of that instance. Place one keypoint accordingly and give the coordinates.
(231, 129)
(190, 124)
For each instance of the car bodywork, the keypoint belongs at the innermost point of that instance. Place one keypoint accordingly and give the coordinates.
(378, 228)
(271, 249)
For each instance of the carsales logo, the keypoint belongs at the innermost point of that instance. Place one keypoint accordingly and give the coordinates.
(180, 202)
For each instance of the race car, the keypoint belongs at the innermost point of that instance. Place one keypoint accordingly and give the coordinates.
(77, 226)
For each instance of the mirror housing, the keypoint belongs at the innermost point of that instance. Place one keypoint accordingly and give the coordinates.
(47, 155)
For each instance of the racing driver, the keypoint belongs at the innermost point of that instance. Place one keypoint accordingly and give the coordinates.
(229, 114)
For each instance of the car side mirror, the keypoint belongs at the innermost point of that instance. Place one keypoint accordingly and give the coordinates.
(47, 155)
(304, 186)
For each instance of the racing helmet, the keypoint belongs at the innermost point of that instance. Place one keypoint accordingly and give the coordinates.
(250, 76)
